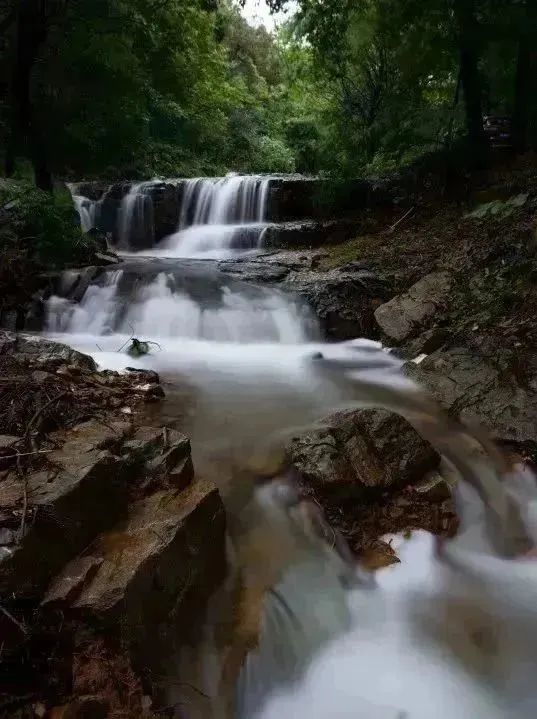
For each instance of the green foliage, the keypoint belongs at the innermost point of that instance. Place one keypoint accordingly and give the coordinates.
(141, 88)
(43, 228)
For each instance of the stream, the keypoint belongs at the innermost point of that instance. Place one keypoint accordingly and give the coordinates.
(331, 644)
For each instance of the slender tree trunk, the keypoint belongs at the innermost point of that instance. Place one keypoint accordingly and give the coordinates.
(525, 84)
(468, 29)
(30, 33)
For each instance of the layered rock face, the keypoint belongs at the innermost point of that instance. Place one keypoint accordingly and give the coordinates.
(109, 546)
(302, 211)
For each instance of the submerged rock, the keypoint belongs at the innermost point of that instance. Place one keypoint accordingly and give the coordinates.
(406, 315)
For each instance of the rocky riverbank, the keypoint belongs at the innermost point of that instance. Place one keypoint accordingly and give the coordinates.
(109, 547)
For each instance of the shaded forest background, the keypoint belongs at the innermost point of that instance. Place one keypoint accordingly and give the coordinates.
(144, 88)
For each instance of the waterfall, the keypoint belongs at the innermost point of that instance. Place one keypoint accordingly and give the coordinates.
(234, 200)
(216, 217)
(168, 306)
(220, 215)
(87, 210)
(136, 225)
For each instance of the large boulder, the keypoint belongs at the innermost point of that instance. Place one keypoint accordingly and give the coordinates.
(408, 314)
(42, 352)
(61, 508)
(357, 451)
(474, 389)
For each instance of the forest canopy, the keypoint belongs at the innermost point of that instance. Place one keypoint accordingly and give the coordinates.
(143, 88)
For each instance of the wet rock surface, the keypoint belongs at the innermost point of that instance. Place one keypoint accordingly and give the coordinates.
(474, 388)
(406, 315)
(372, 474)
(343, 300)
(102, 524)
(353, 452)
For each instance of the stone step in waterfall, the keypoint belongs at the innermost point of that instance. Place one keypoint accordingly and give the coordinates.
(270, 211)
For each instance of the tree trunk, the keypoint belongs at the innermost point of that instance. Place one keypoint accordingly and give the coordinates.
(468, 30)
(30, 33)
(525, 84)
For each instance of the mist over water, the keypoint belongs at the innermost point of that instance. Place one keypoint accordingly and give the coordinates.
(400, 649)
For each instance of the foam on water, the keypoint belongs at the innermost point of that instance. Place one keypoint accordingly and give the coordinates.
(253, 358)
(219, 217)
(381, 667)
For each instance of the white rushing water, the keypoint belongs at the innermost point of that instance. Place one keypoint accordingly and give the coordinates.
(157, 310)
(136, 216)
(87, 210)
(426, 639)
(219, 216)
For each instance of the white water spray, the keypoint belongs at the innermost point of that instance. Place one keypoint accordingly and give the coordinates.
(136, 218)
(87, 209)
(324, 651)
(220, 216)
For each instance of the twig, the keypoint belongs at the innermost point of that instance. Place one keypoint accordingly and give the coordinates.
(12, 618)
(130, 338)
(99, 347)
(24, 479)
(23, 475)
(25, 454)
(409, 212)
(40, 411)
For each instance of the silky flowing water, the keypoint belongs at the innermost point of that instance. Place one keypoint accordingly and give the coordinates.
(450, 635)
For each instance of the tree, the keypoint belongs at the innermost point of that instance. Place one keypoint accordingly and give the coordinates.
(526, 71)
(468, 40)
(31, 21)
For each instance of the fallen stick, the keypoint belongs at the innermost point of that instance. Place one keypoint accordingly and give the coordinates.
(12, 618)
(393, 227)
(25, 454)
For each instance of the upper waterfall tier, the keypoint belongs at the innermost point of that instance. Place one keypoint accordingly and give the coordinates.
(140, 215)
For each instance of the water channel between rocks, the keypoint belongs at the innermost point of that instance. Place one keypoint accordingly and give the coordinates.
(235, 357)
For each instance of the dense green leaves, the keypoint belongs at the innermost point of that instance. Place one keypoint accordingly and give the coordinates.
(140, 88)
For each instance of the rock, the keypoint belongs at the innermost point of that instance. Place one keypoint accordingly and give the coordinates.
(68, 505)
(330, 466)
(361, 450)
(165, 456)
(8, 441)
(43, 352)
(472, 388)
(7, 537)
(144, 375)
(406, 456)
(408, 314)
(149, 390)
(308, 234)
(68, 585)
(433, 487)
(8, 449)
(344, 301)
(427, 342)
(107, 259)
(170, 551)
(89, 436)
